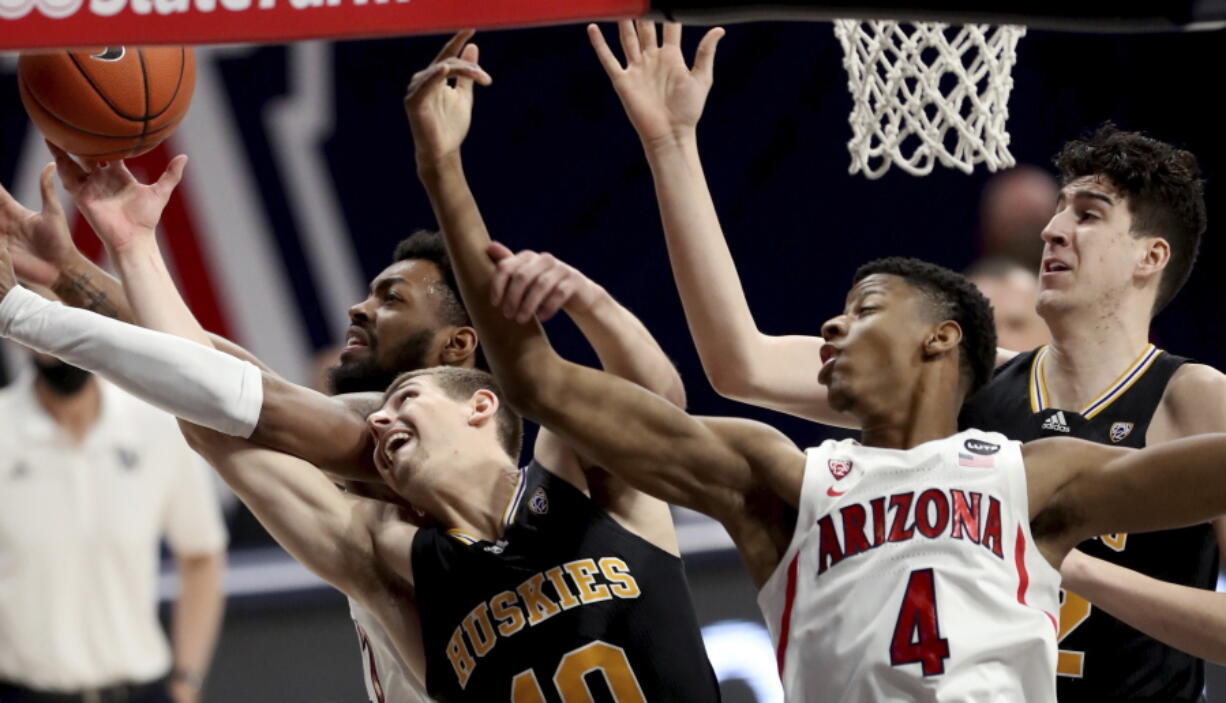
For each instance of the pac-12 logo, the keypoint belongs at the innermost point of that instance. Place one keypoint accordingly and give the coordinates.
(839, 467)
(980, 447)
(1120, 430)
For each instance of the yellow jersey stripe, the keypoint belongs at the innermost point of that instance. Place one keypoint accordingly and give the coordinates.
(1123, 383)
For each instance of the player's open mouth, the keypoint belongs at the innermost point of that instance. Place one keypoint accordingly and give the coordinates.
(1055, 266)
(356, 338)
(393, 442)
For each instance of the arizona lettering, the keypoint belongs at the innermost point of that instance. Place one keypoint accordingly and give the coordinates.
(958, 514)
(534, 601)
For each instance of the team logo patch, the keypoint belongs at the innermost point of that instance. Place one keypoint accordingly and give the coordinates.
(539, 502)
(839, 467)
(980, 447)
(1120, 430)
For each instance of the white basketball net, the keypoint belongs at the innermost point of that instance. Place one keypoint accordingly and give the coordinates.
(927, 92)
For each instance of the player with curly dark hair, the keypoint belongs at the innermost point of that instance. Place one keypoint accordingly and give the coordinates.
(1121, 244)
(918, 563)
(1139, 610)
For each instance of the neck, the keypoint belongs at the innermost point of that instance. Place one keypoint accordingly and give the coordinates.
(474, 499)
(1089, 349)
(931, 414)
(75, 413)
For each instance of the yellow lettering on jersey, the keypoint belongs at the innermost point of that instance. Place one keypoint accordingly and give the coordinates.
(1115, 540)
(616, 571)
(559, 584)
(538, 605)
(1074, 610)
(506, 611)
(526, 689)
(583, 573)
(607, 659)
(480, 630)
(461, 661)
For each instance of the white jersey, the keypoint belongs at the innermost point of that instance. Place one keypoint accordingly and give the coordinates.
(912, 576)
(388, 679)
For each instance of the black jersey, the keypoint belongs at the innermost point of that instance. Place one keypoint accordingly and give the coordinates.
(1101, 658)
(566, 603)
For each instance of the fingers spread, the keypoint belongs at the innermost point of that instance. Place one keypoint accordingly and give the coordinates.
(603, 52)
(630, 41)
(672, 34)
(71, 172)
(647, 35)
(171, 176)
(704, 58)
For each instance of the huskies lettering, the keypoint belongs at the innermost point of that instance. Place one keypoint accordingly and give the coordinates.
(538, 598)
(955, 514)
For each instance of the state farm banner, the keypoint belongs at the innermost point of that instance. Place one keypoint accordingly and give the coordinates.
(46, 24)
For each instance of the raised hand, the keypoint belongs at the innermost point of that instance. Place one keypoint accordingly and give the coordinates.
(662, 96)
(529, 284)
(439, 114)
(40, 243)
(121, 210)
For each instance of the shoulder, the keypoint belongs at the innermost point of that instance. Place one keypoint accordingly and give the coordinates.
(1195, 400)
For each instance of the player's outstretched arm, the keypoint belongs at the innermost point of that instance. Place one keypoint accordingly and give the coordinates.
(718, 467)
(664, 100)
(1190, 619)
(325, 431)
(44, 254)
(531, 285)
(1187, 618)
(1080, 489)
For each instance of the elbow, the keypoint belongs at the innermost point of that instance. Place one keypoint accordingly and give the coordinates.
(730, 380)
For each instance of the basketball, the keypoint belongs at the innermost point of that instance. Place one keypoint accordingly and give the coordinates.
(107, 103)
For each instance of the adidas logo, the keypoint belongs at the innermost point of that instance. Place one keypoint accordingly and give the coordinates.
(1056, 423)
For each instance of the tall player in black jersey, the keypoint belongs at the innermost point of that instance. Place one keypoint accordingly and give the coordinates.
(1124, 243)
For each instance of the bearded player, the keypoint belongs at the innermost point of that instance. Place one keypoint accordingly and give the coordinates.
(917, 564)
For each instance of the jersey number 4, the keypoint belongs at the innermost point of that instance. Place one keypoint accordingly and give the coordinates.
(596, 657)
(917, 635)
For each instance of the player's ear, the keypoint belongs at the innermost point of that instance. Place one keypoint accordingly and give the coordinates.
(943, 338)
(461, 345)
(484, 406)
(1154, 254)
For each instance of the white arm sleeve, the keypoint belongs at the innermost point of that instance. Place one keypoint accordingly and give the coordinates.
(194, 382)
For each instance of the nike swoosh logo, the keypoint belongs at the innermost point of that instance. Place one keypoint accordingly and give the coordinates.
(833, 493)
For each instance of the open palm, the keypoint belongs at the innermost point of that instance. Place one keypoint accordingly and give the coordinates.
(120, 208)
(660, 93)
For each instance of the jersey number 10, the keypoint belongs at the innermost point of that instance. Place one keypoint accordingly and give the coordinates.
(610, 660)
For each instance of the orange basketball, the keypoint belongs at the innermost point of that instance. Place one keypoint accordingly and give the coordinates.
(107, 103)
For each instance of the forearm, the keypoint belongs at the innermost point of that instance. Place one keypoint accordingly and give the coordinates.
(83, 284)
(1189, 619)
(193, 382)
(718, 314)
(625, 347)
(198, 613)
(156, 302)
(514, 350)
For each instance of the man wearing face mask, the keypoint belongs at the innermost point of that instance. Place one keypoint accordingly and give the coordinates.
(90, 480)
